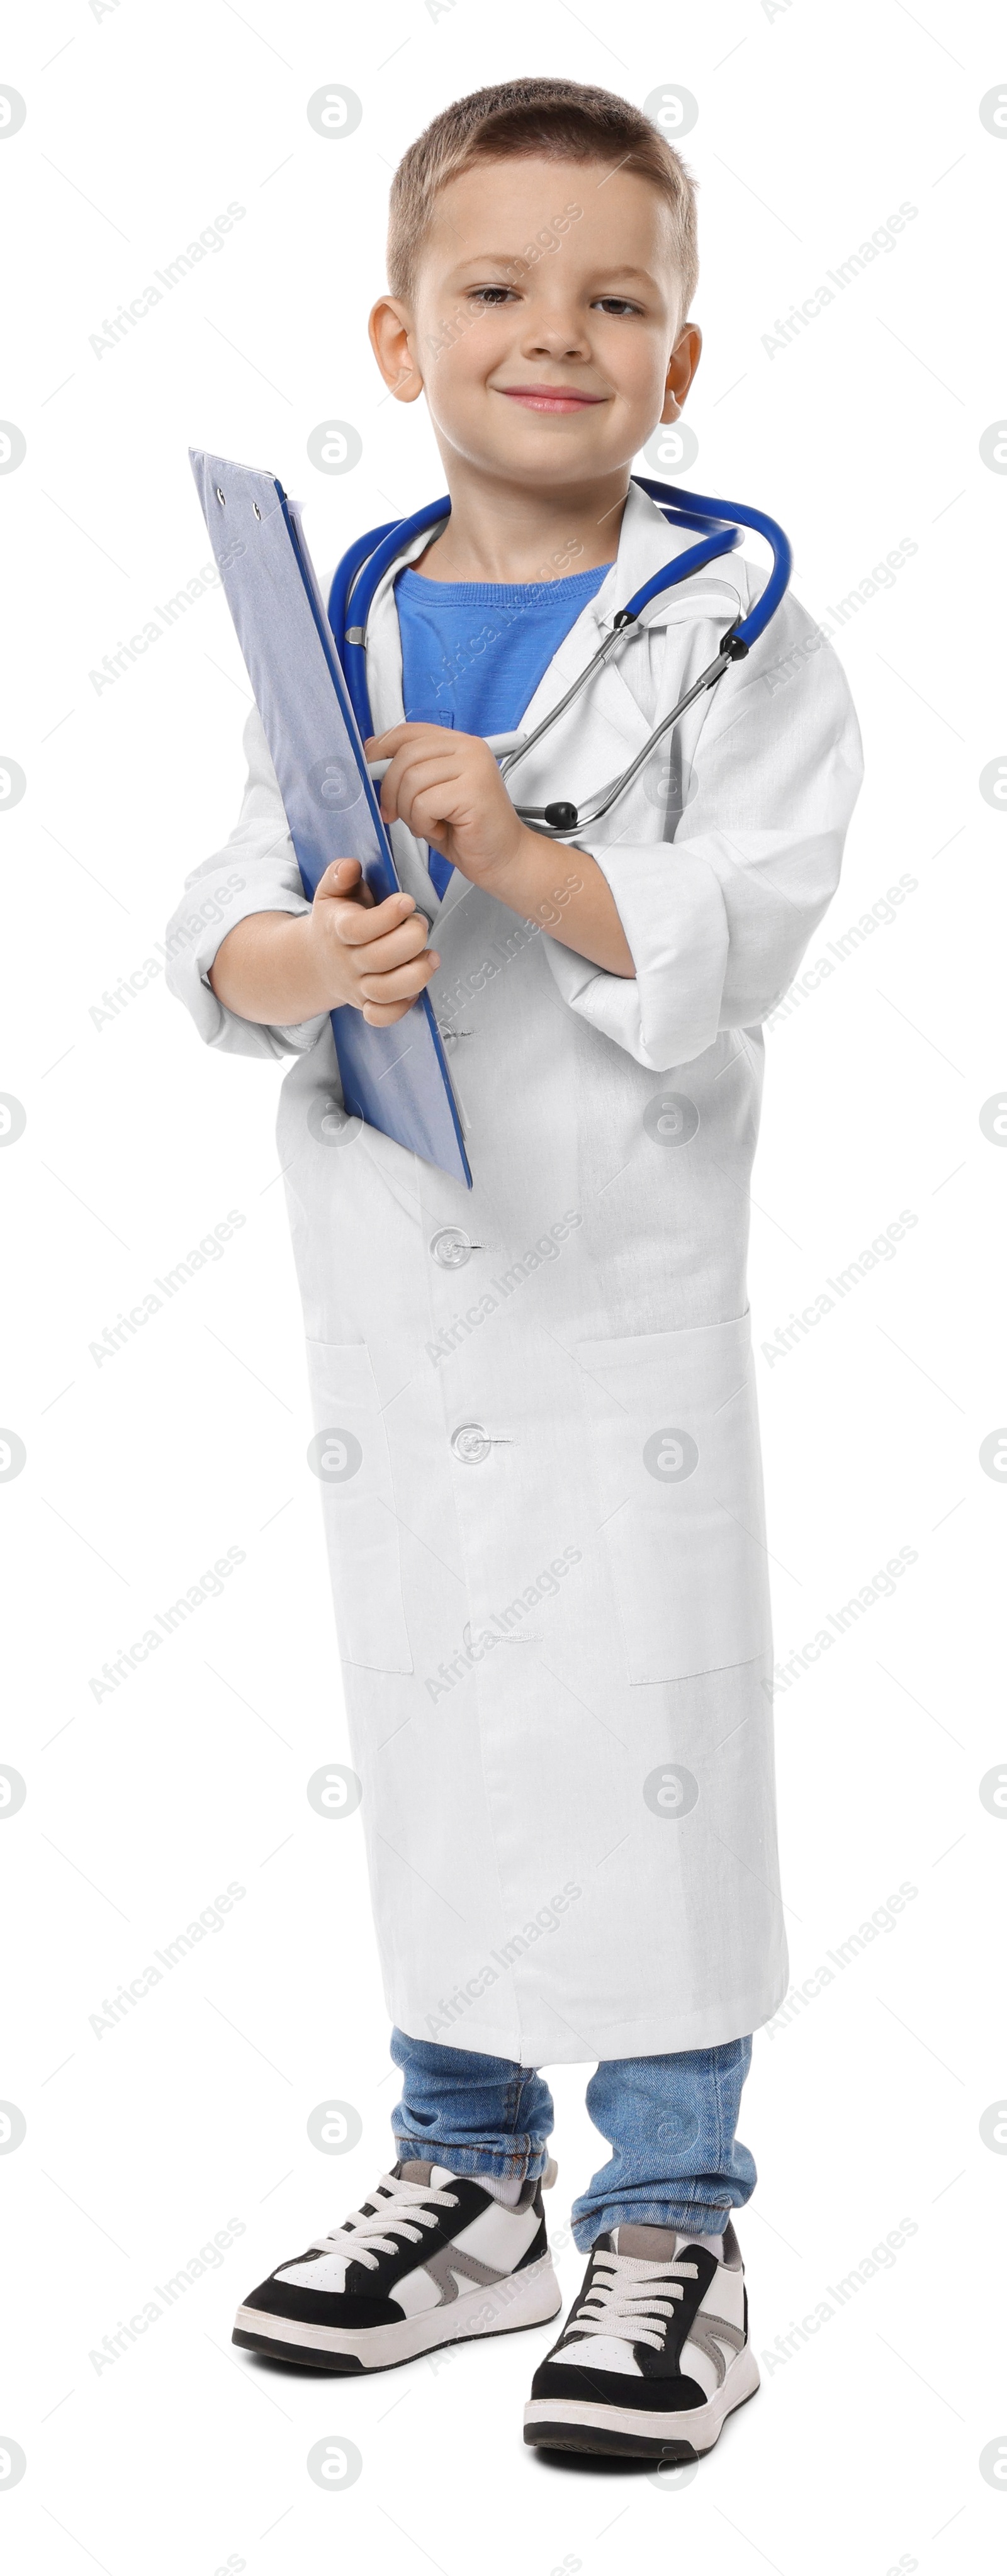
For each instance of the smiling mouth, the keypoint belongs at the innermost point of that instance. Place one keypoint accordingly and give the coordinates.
(548, 397)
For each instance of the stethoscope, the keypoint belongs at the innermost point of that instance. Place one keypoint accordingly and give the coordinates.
(719, 527)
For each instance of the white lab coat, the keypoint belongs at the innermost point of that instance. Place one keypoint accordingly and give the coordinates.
(544, 1497)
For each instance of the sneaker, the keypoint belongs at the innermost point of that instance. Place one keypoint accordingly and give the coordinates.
(654, 2353)
(432, 2258)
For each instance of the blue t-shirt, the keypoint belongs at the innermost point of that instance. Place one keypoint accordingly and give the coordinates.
(473, 652)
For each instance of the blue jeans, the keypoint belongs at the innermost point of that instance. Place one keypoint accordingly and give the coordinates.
(670, 2122)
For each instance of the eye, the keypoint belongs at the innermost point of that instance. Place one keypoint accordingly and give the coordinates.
(616, 304)
(489, 295)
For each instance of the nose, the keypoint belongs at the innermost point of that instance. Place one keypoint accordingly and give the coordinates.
(555, 335)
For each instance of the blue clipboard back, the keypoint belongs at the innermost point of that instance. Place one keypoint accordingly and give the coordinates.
(396, 1079)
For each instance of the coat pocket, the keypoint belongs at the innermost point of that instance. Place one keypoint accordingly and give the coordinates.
(349, 1455)
(674, 1429)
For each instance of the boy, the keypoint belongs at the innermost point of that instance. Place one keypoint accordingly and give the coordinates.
(543, 1502)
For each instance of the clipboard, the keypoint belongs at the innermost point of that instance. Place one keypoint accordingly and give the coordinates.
(396, 1079)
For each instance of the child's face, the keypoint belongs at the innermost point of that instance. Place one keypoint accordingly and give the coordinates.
(547, 357)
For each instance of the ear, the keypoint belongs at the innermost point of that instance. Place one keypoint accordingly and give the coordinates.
(391, 336)
(682, 366)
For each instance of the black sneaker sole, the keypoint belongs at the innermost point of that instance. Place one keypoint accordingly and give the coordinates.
(340, 2364)
(586, 2425)
(346, 2365)
(613, 2446)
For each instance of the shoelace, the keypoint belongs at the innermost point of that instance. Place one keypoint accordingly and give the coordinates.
(630, 2298)
(409, 2208)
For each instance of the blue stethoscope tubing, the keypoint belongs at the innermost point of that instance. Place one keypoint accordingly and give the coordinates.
(718, 526)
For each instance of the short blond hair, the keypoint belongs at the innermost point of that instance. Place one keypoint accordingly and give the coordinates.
(559, 120)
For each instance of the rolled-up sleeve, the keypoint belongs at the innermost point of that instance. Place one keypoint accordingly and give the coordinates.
(257, 871)
(718, 918)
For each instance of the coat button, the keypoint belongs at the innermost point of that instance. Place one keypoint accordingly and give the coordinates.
(470, 1444)
(451, 1247)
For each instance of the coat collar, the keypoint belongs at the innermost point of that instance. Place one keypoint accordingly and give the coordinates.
(646, 541)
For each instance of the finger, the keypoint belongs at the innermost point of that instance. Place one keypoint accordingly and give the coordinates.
(436, 808)
(412, 770)
(403, 983)
(355, 926)
(428, 820)
(378, 1017)
(379, 746)
(397, 948)
(342, 877)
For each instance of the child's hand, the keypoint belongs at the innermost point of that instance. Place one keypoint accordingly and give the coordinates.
(281, 968)
(373, 956)
(447, 789)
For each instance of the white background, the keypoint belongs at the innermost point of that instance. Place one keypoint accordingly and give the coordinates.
(815, 123)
